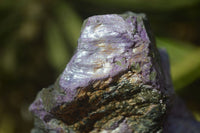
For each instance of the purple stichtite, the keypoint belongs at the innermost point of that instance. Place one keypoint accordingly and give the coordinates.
(114, 83)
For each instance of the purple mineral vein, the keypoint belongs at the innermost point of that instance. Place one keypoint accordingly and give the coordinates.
(113, 49)
(38, 109)
(108, 45)
(105, 48)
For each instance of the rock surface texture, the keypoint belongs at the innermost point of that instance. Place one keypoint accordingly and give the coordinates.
(114, 83)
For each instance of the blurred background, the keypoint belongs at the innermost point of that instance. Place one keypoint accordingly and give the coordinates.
(38, 37)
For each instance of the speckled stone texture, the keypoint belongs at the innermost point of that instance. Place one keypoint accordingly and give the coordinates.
(114, 83)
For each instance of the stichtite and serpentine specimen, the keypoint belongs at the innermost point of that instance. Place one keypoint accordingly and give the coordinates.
(116, 82)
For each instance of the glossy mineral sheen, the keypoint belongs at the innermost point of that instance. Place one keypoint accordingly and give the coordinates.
(108, 45)
(113, 83)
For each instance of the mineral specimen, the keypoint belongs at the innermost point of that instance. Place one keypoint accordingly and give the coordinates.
(114, 83)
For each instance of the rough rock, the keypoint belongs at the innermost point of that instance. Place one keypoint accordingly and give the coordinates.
(114, 83)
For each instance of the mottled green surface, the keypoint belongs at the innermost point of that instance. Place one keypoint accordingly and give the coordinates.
(30, 60)
(133, 100)
(141, 106)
